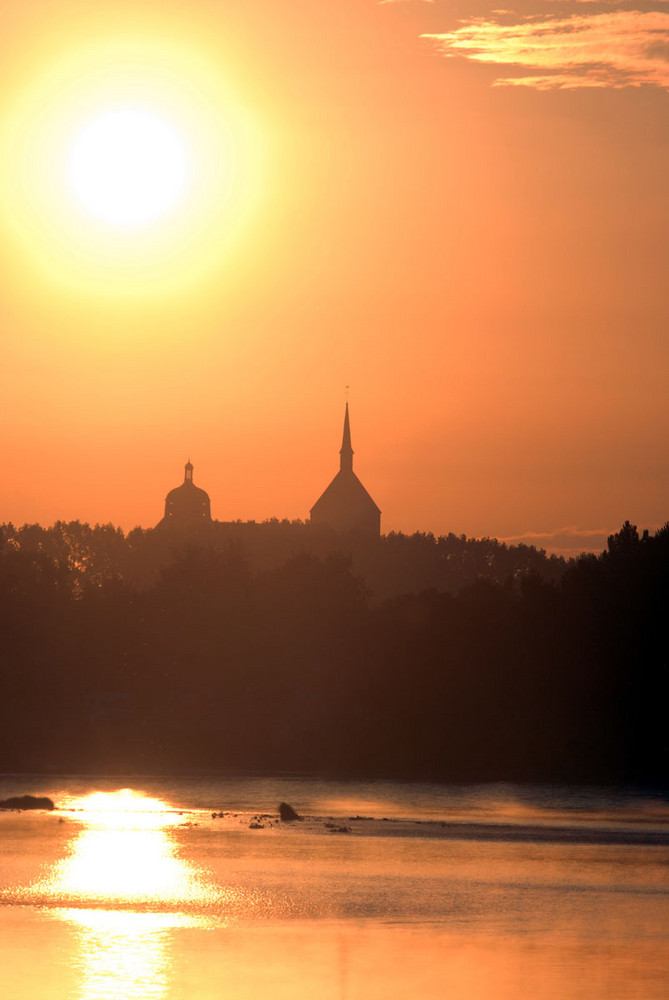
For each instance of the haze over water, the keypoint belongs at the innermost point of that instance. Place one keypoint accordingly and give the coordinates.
(383, 890)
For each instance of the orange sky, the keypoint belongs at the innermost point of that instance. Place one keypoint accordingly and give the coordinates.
(461, 214)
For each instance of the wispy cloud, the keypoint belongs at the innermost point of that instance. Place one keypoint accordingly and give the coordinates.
(569, 541)
(613, 49)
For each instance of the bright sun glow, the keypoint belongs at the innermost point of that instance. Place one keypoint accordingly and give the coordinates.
(125, 807)
(125, 853)
(123, 870)
(129, 166)
(132, 169)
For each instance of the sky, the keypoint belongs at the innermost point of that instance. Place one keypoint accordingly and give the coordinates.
(459, 212)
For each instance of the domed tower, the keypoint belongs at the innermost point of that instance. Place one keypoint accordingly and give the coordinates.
(346, 505)
(186, 506)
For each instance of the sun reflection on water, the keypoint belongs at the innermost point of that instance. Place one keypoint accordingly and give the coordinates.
(123, 955)
(127, 891)
(124, 855)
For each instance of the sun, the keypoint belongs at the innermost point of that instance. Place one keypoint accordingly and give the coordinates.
(134, 169)
(128, 166)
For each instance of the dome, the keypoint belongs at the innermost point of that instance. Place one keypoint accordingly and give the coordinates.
(187, 505)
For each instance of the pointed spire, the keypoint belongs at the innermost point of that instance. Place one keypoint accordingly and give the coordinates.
(346, 451)
(188, 472)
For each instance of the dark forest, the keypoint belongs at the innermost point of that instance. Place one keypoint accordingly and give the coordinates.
(265, 648)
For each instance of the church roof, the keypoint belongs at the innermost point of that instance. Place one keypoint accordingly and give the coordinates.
(347, 489)
(187, 489)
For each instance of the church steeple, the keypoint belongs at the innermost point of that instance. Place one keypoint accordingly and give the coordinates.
(346, 451)
(346, 506)
(188, 472)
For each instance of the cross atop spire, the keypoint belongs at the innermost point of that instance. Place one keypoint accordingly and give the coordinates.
(346, 451)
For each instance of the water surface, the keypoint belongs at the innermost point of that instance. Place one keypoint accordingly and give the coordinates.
(193, 888)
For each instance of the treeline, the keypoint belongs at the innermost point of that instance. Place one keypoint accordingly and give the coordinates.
(203, 661)
(391, 565)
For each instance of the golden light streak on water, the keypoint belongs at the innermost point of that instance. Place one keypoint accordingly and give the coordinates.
(123, 955)
(124, 854)
(125, 858)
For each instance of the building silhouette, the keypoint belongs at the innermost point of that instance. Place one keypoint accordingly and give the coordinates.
(346, 505)
(186, 506)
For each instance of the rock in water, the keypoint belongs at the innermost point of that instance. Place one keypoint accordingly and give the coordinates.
(27, 802)
(287, 813)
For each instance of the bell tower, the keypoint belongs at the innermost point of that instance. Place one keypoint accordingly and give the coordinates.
(346, 505)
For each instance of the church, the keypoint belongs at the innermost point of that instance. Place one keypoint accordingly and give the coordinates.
(345, 506)
(186, 506)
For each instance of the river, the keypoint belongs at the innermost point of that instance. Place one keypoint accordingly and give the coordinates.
(193, 889)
